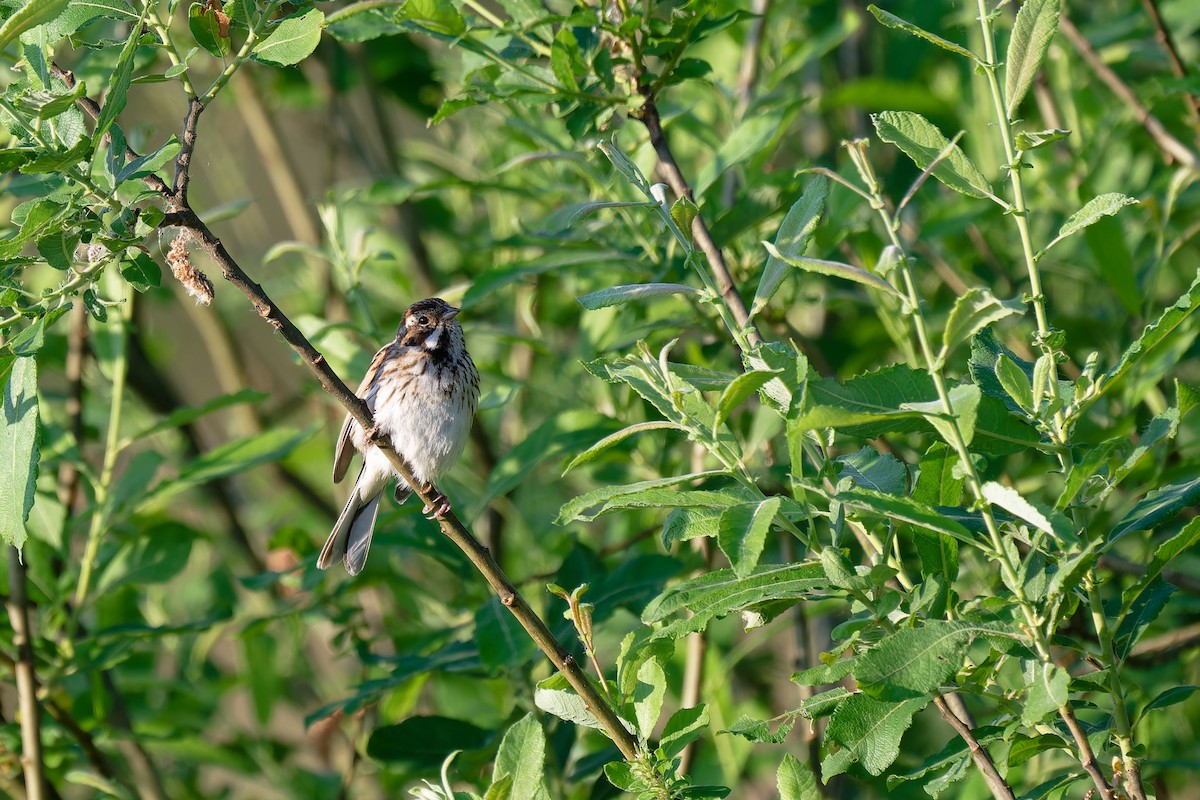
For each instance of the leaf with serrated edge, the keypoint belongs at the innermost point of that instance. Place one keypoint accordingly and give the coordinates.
(742, 533)
(575, 509)
(738, 390)
(913, 662)
(792, 238)
(869, 732)
(892, 21)
(1036, 24)
(684, 727)
(796, 780)
(974, 311)
(923, 143)
(618, 295)
(836, 269)
(1093, 211)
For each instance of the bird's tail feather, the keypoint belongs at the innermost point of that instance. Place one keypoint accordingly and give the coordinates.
(350, 539)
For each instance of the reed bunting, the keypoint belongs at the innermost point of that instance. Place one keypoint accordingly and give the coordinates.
(422, 389)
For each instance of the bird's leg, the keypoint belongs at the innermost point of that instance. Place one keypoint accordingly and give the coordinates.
(438, 506)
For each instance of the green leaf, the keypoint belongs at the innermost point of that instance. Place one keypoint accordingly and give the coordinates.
(738, 390)
(522, 757)
(648, 694)
(1011, 501)
(892, 21)
(554, 695)
(742, 533)
(19, 454)
(974, 311)
(913, 662)
(1025, 748)
(232, 458)
(721, 592)
(117, 93)
(206, 30)
(841, 572)
(364, 20)
(82, 12)
(1155, 508)
(621, 775)
(293, 40)
(33, 337)
(685, 524)
(759, 730)
(1167, 552)
(438, 17)
(796, 780)
(870, 469)
(835, 269)
(900, 509)
(1048, 686)
(29, 16)
(1015, 382)
(945, 760)
(147, 164)
(553, 439)
(142, 271)
(500, 639)
(619, 295)
(964, 403)
(1169, 697)
(749, 139)
(1031, 140)
(684, 727)
(869, 732)
(923, 143)
(58, 247)
(642, 494)
(792, 239)
(1143, 611)
(593, 452)
(1154, 334)
(186, 416)
(937, 484)
(1093, 211)
(426, 741)
(1037, 22)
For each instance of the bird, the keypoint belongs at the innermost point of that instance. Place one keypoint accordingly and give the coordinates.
(423, 390)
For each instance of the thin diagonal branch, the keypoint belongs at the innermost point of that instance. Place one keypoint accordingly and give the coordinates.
(184, 217)
(1174, 149)
(1178, 66)
(983, 760)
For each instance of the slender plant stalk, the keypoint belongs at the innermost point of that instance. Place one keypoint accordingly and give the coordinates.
(26, 673)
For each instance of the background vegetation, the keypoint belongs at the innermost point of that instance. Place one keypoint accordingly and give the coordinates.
(908, 500)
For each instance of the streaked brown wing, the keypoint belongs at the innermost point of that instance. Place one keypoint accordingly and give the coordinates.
(344, 452)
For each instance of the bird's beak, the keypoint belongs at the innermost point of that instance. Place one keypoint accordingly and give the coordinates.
(452, 313)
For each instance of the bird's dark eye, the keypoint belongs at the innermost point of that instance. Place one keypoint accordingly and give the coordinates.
(422, 320)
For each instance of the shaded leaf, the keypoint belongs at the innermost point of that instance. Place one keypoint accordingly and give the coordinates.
(792, 239)
(835, 269)
(1157, 507)
(869, 733)
(426, 740)
(684, 727)
(974, 311)
(594, 452)
(19, 454)
(921, 141)
(1178, 544)
(742, 533)
(896, 23)
(618, 295)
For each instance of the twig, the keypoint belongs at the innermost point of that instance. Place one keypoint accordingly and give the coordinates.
(26, 674)
(1161, 649)
(983, 761)
(1171, 147)
(88, 744)
(1177, 63)
(649, 117)
(183, 216)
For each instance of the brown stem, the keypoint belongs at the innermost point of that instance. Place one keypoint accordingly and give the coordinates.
(26, 674)
(1173, 148)
(983, 761)
(1086, 757)
(183, 216)
(700, 233)
(1178, 66)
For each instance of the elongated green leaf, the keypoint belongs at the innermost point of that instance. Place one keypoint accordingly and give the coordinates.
(792, 239)
(642, 494)
(293, 40)
(913, 662)
(501, 641)
(618, 295)
(555, 438)
(835, 269)
(231, 458)
(594, 452)
(1092, 212)
(738, 390)
(425, 741)
(1015, 382)
(1157, 507)
(1031, 140)
(1036, 24)
(1143, 611)
(796, 780)
(19, 454)
(902, 509)
(1011, 501)
(554, 695)
(719, 593)
(964, 405)
(81, 12)
(118, 85)
(947, 757)
(186, 416)
(684, 727)
(896, 23)
(870, 469)
(868, 732)
(648, 696)
(742, 533)
(206, 30)
(28, 16)
(1164, 555)
(974, 311)
(748, 140)
(759, 730)
(522, 757)
(1176, 694)
(157, 556)
(921, 141)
